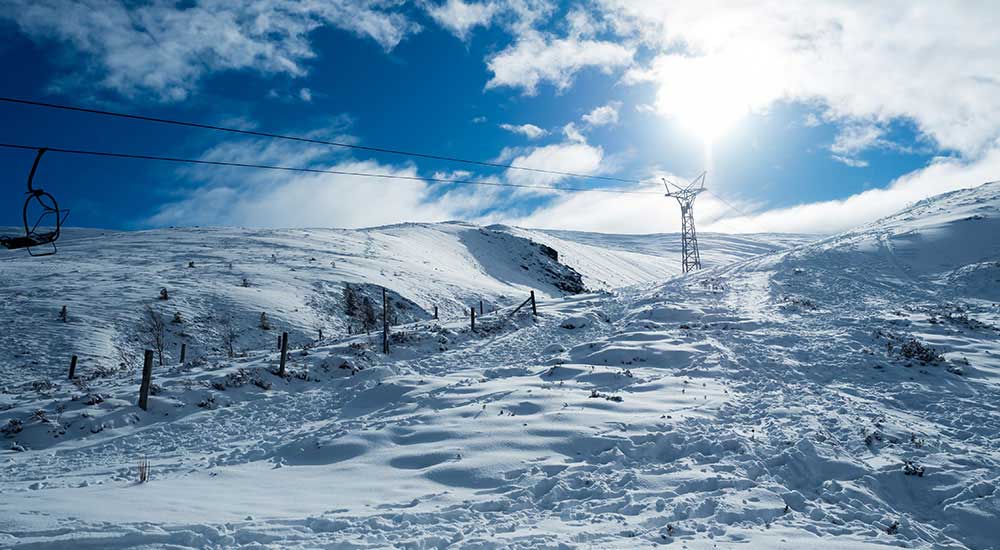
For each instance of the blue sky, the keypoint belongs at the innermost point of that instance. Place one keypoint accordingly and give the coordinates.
(808, 118)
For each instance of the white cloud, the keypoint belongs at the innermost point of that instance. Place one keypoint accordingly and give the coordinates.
(460, 17)
(529, 131)
(573, 133)
(941, 176)
(928, 62)
(526, 14)
(605, 114)
(241, 197)
(162, 50)
(854, 138)
(850, 161)
(579, 158)
(649, 214)
(305, 94)
(535, 58)
(581, 23)
(609, 213)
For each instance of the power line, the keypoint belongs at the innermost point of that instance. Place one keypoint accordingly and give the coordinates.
(334, 144)
(322, 171)
(309, 140)
(738, 211)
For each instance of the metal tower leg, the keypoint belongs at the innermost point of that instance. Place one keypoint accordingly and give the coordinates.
(690, 258)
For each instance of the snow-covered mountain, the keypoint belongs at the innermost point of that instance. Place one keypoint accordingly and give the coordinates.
(839, 394)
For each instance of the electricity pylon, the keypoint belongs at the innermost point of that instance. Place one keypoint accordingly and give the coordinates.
(690, 259)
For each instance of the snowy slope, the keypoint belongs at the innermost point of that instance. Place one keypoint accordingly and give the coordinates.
(296, 277)
(613, 261)
(840, 394)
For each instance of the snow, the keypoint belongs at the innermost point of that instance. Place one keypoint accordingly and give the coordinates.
(772, 400)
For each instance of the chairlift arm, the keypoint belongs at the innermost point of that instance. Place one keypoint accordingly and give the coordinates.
(34, 168)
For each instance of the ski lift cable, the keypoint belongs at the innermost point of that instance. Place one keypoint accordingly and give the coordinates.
(326, 171)
(738, 211)
(303, 139)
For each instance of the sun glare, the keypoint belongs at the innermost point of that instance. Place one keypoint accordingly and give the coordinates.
(706, 95)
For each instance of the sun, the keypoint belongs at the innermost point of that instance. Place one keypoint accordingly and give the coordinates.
(707, 95)
(710, 115)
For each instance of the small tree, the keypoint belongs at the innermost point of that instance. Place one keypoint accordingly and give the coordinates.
(63, 314)
(368, 317)
(177, 318)
(351, 307)
(163, 294)
(265, 323)
(228, 335)
(153, 331)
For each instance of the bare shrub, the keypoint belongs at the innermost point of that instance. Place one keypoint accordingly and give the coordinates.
(152, 331)
(229, 335)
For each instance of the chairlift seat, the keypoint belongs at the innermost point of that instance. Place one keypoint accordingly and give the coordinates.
(32, 237)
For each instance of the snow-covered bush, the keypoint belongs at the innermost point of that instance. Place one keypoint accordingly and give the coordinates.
(914, 349)
(12, 427)
(911, 468)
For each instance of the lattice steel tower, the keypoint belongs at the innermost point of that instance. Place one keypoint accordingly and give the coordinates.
(690, 260)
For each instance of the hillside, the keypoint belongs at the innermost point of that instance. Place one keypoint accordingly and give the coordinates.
(219, 278)
(614, 261)
(842, 393)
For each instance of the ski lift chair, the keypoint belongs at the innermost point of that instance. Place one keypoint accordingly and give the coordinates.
(49, 210)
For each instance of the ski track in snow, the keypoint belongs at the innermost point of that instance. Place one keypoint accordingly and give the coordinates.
(760, 404)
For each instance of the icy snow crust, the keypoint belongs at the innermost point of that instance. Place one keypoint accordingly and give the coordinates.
(839, 394)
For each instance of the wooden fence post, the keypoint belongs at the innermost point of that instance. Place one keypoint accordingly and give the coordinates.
(534, 310)
(385, 323)
(72, 367)
(473, 310)
(184, 349)
(480, 307)
(147, 379)
(435, 312)
(284, 354)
